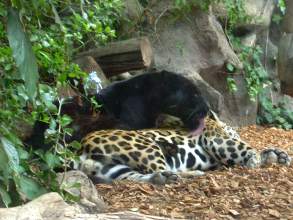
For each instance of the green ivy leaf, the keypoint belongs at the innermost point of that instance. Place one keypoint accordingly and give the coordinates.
(269, 118)
(29, 187)
(11, 153)
(276, 18)
(4, 168)
(23, 155)
(5, 196)
(22, 53)
(231, 84)
(282, 6)
(65, 120)
(230, 67)
(52, 160)
(281, 120)
(76, 145)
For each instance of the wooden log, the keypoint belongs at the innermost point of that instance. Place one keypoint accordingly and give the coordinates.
(122, 56)
(89, 65)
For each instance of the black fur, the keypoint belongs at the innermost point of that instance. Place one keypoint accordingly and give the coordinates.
(137, 102)
(84, 122)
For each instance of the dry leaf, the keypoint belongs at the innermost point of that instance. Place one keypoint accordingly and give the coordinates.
(234, 212)
(228, 193)
(274, 213)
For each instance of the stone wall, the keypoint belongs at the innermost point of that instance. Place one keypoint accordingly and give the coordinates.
(196, 46)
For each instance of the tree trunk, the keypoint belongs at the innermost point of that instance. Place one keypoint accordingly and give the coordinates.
(122, 56)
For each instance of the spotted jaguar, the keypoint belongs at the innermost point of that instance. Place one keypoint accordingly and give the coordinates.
(165, 154)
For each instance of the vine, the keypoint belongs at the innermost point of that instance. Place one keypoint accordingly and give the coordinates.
(256, 77)
(51, 33)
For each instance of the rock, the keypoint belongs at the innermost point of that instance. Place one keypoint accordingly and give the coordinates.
(52, 207)
(285, 63)
(122, 76)
(90, 200)
(260, 11)
(269, 55)
(268, 59)
(236, 109)
(46, 207)
(202, 47)
(249, 40)
(196, 46)
(287, 23)
(133, 14)
(133, 9)
(219, 10)
(285, 55)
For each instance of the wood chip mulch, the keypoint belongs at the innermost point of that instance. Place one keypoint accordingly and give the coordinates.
(236, 193)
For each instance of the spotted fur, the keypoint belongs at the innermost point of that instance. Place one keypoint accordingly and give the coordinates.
(162, 155)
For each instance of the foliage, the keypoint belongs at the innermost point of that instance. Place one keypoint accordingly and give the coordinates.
(236, 14)
(256, 77)
(277, 17)
(282, 6)
(186, 5)
(235, 9)
(276, 115)
(231, 84)
(22, 53)
(257, 80)
(38, 39)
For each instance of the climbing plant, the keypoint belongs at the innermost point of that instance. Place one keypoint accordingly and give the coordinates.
(38, 40)
(256, 77)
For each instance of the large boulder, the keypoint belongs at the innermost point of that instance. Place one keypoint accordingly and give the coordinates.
(133, 10)
(52, 207)
(285, 63)
(287, 24)
(277, 61)
(89, 199)
(260, 13)
(47, 207)
(285, 55)
(196, 46)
